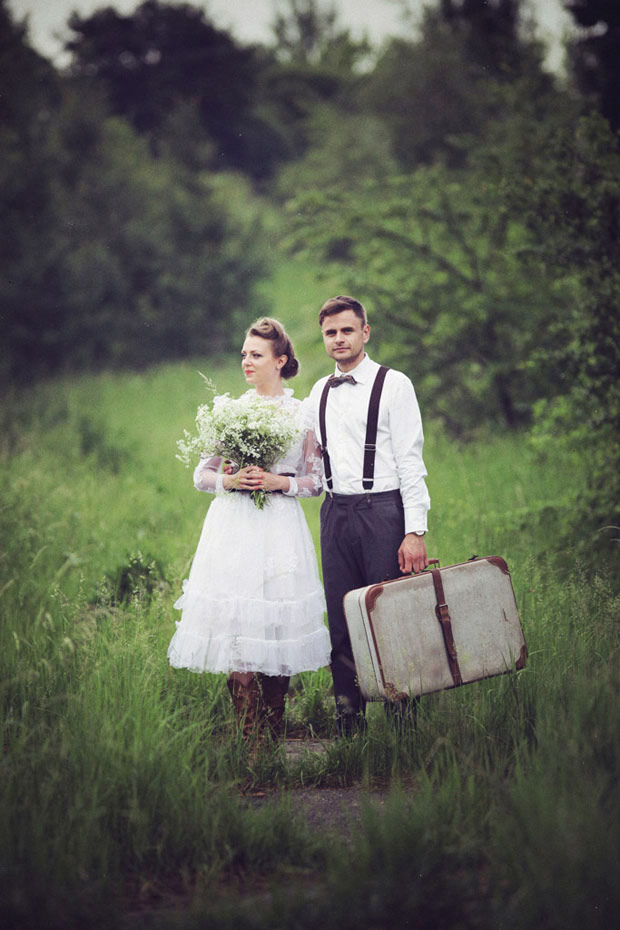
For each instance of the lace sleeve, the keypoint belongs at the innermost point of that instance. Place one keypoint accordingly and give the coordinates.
(208, 474)
(306, 416)
(308, 481)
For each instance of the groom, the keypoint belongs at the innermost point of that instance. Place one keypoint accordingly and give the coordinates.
(373, 518)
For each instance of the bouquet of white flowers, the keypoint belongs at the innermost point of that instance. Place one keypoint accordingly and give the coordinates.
(250, 430)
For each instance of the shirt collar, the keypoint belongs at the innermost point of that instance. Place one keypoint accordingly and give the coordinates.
(362, 371)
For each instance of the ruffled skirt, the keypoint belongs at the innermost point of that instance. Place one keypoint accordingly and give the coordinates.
(253, 600)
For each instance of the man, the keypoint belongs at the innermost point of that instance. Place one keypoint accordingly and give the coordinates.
(373, 518)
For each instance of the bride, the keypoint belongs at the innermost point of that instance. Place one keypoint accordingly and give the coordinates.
(253, 604)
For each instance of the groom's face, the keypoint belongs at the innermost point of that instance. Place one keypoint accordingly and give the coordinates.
(345, 336)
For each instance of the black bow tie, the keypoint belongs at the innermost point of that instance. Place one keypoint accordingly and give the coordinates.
(337, 381)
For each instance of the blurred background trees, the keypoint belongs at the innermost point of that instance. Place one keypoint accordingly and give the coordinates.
(467, 194)
(595, 55)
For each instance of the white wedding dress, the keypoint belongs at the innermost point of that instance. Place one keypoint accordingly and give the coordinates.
(253, 600)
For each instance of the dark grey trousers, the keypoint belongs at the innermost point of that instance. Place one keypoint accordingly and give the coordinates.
(360, 538)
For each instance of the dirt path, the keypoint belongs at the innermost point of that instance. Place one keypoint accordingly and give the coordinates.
(324, 808)
(335, 809)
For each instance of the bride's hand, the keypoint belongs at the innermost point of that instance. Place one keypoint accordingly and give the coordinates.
(273, 482)
(246, 479)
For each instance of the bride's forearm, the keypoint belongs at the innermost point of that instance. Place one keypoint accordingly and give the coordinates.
(275, 482)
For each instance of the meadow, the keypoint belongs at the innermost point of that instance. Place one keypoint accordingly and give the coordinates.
(124, 790)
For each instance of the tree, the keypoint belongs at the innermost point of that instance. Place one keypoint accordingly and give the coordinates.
(114, 256)
(156, 263)
(442, 254)
(574, 212)
(425, 94)
(345, 151)
(490, 31)
(307, 33)
(595, 57)
(304, 31)
(436, 254)
(30, 283)
(312, 69)
(28, 82)
(438, 94)
(288, 96)
(165, 56)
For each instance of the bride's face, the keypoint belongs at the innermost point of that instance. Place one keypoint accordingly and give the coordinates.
(260, 366)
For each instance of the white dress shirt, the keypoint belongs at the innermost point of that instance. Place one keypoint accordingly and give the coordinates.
(398, 462)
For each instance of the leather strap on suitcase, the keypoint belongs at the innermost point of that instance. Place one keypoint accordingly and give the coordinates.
(443, 615)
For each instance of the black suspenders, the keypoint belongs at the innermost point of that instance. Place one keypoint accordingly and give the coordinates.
(326, 463)
(370, 445)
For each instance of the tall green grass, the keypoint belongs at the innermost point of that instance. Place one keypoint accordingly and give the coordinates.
(120, 774)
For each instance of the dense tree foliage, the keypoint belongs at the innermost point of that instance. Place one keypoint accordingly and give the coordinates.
(116, 256)
(309, 34)
(168, 71)
(440, 260)
(491, 264)
(440, 249)
(575, 215)
(166, 55)
(596, 54)
(461, 190)
(30, 279)
(151, 249)
(433, 90)
(489, 31)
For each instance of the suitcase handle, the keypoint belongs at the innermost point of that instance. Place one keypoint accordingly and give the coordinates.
(432, 563)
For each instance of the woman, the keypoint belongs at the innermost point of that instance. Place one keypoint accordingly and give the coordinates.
(253, 604)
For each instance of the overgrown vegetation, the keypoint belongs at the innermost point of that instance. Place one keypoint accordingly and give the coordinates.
(123, 784)
(471, 200)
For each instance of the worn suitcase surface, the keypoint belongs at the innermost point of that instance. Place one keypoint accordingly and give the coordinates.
(435, 630)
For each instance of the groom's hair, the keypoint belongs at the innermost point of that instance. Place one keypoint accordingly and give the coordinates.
(340, 303)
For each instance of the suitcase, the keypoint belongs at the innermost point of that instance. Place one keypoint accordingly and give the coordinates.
(435, 630)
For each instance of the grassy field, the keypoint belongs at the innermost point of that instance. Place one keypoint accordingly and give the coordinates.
(122, 781)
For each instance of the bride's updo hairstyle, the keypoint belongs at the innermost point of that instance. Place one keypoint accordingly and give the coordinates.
(268, 328)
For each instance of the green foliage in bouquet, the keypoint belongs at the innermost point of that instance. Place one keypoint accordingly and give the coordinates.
(249, 430)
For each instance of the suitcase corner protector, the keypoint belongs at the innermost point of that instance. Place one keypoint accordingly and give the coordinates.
(499, 562)
(373, 594)
(393, 694)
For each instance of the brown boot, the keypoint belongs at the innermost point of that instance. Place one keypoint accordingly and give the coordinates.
(246, 697)
(274, 689)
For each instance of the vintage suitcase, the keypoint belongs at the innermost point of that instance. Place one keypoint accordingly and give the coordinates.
(434, 630)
